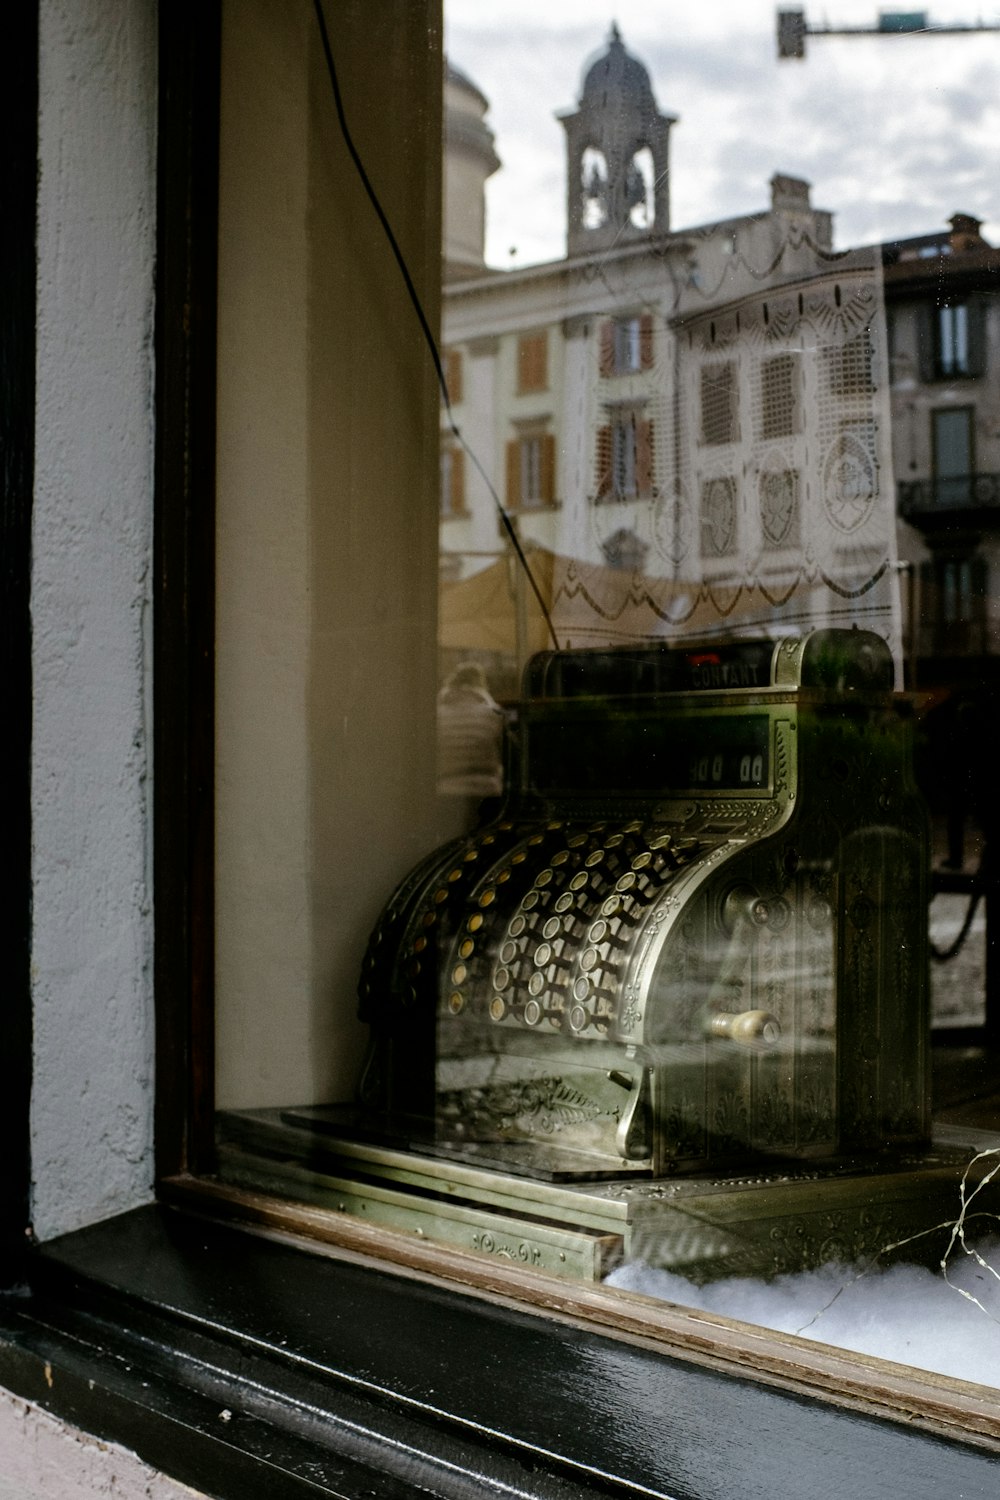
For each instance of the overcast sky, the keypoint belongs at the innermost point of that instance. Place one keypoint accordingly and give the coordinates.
(895, 133)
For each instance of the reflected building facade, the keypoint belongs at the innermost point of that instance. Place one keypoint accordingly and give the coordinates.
(945, 345)
(726, 429)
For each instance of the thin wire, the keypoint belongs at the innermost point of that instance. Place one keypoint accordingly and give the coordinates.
(944, 955)
(425, 327)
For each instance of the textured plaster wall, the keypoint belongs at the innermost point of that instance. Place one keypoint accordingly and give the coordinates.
(326, 580)
(92, 942)
(42, 1459)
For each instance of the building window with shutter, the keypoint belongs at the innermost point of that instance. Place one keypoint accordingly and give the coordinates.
(452, 482)
(531, 471)
(625, 458)
(532, 363)
(719, 412)
(453, 375)
(954, 592)
(953, 339)
(952, 455)
(958, 340)
(627, 345)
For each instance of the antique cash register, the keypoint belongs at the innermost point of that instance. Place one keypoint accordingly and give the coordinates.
(670, 998)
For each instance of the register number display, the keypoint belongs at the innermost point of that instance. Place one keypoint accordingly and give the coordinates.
(648, 754)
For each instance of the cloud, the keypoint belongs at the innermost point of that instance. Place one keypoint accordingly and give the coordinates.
(889, 130)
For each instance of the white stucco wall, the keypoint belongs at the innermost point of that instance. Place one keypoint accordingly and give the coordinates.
(92, 937)
(42, 1459)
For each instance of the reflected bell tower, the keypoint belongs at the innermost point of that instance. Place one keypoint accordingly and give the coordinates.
(617, 143)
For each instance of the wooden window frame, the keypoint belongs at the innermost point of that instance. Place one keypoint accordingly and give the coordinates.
(184, 588)
(226, 1357)
(18, 275)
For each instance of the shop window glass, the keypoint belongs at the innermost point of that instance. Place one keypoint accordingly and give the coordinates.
(573, 876)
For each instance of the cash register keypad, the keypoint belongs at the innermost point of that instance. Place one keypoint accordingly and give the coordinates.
(550, 926)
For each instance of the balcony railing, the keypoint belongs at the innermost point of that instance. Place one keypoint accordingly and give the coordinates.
(971, 500)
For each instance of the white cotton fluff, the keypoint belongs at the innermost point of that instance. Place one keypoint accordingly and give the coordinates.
(904, 1313)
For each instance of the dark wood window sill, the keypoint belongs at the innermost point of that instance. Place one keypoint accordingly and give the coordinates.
(248, 1367)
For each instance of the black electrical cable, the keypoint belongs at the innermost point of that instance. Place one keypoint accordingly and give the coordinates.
(943, 955)
(425, 327)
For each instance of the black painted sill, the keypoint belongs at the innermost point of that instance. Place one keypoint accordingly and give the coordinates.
(248, 1368)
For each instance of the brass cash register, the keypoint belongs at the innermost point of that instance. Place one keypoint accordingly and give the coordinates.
(671, 999)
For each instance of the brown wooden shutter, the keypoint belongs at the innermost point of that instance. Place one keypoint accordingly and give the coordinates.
(453, 375)
(548, 467)
(644, 457)
(646, 341)
(457, 493)
(977, 335)
(607, 354)
(524, 364)
(927, 340)
(541, 363)
(532, 362)
(514, 474)
(603, 478)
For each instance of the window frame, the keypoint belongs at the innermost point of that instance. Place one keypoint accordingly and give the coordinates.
(694, 1346)
(158, 1328)
(18, 191)
(454, 505)
(973, 362)
(626, 344)
(954, 598)
(625, 459)
(531, 469)
(952, 329)
(939, 415)
(184, 587)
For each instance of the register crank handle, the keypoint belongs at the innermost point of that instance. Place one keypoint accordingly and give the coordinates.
(746, 1026)
(633, 1137)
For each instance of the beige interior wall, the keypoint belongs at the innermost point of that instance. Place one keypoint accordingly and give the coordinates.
(327, 526)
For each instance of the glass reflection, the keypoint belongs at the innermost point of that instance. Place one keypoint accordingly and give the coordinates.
(665, 995)
(733, 413)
